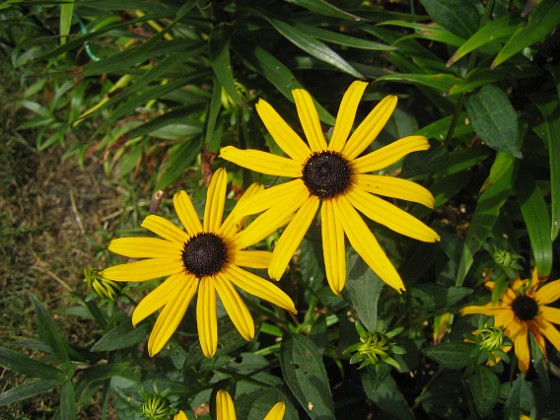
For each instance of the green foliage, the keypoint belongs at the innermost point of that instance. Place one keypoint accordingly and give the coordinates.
(155, 89)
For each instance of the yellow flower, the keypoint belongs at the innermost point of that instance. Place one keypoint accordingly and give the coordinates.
(207, 257)
(520, 309)
(336, 179)
(225, 410)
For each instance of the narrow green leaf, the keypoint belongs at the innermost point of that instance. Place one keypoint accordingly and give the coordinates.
(485, 388)
(66, 11)
(49, 331)
(501, 165)
(305, 375)
(550, 110)
(542, 20)
(495, 120)
(221, 62)
(122, 336)
(212, 140)
(313, 47)
(27, 391)
(382, 389)
(364, 288)
(441, 81)
(342, 39)
(426, 31)
(68, 406)
(321, 7)
(180, 158)
(438, 129)
(457, 16)
(20, 363)
(492, 31)
(450, 354)
(537, 220)
(540, 364)
(485, 215)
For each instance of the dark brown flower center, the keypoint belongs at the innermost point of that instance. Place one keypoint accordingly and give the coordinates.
(327, 174)
(525, 308)
(204, 254)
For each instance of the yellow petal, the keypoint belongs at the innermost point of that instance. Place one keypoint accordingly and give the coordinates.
(186, 213)
(309, 118)
(262, 162)
(346, 115)
(369, 128)
(180, 416)
(215, 201)
(252, 259)
(225, 409)
(389, 186)
(549, 292)
(276, 412)
(389, 215)
(550, 331)
(234, 221)
(521, 347)
(161, 295)
(235, 307)
(143, 247)
(170, 318)
(292, 237)
(206, 318)
(334, 250)
(273, 196)
(149, 269)
(551, 314)
(473, 309)
(260, 288)
(282, 133)
(387, 155)
(165, 229)
(365, 244)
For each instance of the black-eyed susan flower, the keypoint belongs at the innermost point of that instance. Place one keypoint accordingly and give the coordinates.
(205, 257)
(334, 179)
(521, 309)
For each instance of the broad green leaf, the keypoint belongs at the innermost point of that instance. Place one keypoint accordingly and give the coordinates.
(385, 393)
(520, 399)
(542, 20)
(20, 363)
(485, 388)
(49, 331)
(485, 215)
(66, 11)
(441, 81)
(450, 354)
(457, 16)
(537, 220)
(341, 39)
(491, 31)
(427, 31)
(27, 390)
(550, 110)
(220, 59)
(122, 336)
(364, 288)
(495, 120)
(68, 406)
(321, 7)
(305, 375)
(313, 47)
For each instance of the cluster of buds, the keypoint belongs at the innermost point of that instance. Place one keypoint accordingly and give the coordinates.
(102, 287)
(156, 407)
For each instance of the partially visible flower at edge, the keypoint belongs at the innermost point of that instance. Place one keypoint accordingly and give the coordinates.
(521, 309)
(207, 257)
(334, 179)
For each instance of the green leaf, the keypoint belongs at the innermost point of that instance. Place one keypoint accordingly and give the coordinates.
(221, 62)
(550, 110)
(485, 388)
(321, 7)
(49, 331)
(485, 215)
(495, 120)
(457, 16)
(313, 47)
(20, 363)
(341, 39)
(431, 296)
(122, 336)
(540, 364)
(450, 354)
(441, 81)
(426, 31)
(364, 288)
(438, 129)
(382, 389)
(542, 21)
(68, 406)
(212, 139)
(537, 220)
(66, 11)
(27, 391)
(305, 375)
(491, 32)
(520, 399)
(180, 158)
